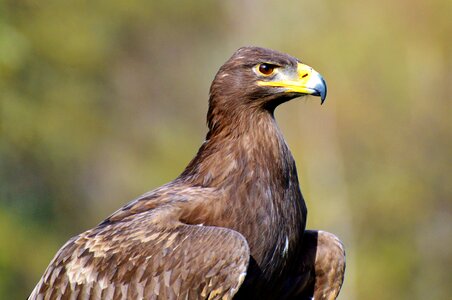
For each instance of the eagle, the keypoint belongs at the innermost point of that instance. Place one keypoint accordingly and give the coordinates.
(231, 225)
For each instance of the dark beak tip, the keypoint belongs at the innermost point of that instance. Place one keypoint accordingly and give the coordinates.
(323, 92)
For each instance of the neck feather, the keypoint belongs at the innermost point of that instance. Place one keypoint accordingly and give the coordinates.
(240, 149)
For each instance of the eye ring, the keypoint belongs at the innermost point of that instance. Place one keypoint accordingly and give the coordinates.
(266, 69)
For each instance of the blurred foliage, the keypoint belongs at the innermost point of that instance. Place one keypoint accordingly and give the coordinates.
(104, 100)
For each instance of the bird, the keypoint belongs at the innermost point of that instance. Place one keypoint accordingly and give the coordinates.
(232, 225)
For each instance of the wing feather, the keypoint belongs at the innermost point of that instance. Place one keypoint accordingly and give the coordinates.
(138, 259)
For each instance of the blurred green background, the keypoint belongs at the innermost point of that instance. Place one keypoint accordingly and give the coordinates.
(102, 101)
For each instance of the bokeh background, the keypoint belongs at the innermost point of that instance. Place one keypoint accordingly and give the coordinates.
(102, 101)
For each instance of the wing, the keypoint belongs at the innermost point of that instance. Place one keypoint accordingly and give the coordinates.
(329, 266)
(321, 274)
(137, 259)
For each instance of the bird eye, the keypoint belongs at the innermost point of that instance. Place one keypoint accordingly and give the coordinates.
(266, 69)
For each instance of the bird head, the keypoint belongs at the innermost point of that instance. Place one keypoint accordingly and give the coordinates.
(259, 77)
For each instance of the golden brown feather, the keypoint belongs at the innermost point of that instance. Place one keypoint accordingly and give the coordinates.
(231, 225)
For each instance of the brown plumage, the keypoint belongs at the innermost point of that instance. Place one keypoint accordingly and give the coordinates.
(232, 225)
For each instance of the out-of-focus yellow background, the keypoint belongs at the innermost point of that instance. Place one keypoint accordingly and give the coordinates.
(102, 101)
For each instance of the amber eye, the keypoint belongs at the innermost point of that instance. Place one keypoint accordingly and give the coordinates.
(266, 69)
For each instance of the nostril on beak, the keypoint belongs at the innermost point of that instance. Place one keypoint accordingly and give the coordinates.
(304, 75)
